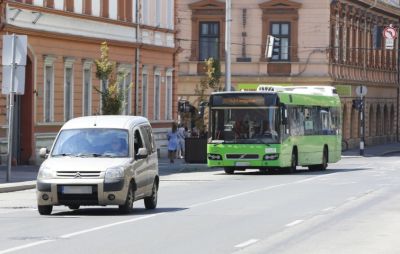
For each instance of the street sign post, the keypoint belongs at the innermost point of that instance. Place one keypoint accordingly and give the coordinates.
(13, 80)
(362, 92)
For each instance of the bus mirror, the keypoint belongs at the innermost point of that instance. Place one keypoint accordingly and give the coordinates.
(284, 115)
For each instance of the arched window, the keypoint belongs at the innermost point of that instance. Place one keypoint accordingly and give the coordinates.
(385, 121)
(378, 121)
(391, 125)
(371, 121)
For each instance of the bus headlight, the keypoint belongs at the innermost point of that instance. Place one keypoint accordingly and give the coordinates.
(269, 157)
(215, 157)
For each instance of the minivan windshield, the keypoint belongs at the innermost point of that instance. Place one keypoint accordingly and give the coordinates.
(92, 143)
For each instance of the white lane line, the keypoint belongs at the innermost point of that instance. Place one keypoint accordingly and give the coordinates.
(254, 191)
(78, 233)
(246, 243)
(154, 215)
(328, 209)
(25, 246)
(291, 224)
(109, 225)
(351, 198)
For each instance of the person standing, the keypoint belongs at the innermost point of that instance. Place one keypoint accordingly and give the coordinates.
(172, 137)
(181, 141)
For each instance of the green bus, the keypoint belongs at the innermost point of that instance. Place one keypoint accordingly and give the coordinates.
(274, 128)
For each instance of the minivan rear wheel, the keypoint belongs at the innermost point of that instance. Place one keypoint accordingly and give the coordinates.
(128, 206)
(45, 209)
(151, 202)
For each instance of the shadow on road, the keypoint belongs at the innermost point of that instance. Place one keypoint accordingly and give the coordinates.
(298, 172)
(103, 211)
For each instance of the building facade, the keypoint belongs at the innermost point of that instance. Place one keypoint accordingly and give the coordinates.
(337, 43)
(64, 39)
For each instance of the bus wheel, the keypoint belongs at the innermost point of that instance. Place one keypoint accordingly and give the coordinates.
(293, 163)
(324, 163)
(263, 170)
(229, 170)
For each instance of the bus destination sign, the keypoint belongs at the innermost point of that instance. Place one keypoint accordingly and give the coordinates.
(240, 100)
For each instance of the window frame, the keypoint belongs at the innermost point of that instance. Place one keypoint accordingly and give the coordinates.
(169, 88)
(280, 36)
(87, 66)
(156, 102)
(48, 62)
(69, 64)
(209, 37)
(145, 93)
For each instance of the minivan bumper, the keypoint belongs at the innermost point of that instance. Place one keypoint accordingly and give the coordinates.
(52, 192)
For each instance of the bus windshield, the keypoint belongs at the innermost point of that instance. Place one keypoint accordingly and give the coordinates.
(245, 125)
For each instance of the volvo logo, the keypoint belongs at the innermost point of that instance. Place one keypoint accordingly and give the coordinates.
(77, 175)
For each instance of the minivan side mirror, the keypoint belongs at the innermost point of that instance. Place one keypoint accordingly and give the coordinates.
(142, 153)
(44, 152)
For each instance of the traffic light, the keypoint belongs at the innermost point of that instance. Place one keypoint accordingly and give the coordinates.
(183, 106)
(272, 47)
(357, 104)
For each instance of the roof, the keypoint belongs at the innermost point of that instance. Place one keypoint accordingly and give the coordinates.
(104, 121)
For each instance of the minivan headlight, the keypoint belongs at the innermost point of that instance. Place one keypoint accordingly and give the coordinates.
(114, 174)
(45, 173)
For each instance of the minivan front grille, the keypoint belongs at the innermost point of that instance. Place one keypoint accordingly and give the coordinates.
(78, 199)
(78, 174)
(242, 156)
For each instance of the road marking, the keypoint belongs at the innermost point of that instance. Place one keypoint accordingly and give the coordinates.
(254, 191)
(328, 209)
(25, 246)
(246, 243)
(291, 224)
(154, 215)
(79, 233)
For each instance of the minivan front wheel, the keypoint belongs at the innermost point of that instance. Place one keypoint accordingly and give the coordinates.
(128, 205)
(45, 209)
(151, 202)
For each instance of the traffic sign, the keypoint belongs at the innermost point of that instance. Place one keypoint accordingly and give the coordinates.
(389, 43)
(361, 90)
(390, 32)
(21, 42)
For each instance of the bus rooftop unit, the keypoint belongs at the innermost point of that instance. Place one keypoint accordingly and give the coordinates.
(274, 128)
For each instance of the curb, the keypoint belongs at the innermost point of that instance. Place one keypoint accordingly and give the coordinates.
(390, 152)
(10, 187)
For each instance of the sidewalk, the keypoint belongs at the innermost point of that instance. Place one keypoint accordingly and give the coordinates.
(24, 177)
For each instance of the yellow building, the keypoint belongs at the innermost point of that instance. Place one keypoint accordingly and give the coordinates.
(337, 43)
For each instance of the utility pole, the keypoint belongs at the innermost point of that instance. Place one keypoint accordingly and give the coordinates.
(228, 21)
(137, 56)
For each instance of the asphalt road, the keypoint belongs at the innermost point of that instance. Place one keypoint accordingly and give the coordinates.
(353, 207)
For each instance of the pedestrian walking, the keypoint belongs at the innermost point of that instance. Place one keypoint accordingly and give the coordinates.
(172, 137)
(181, 141)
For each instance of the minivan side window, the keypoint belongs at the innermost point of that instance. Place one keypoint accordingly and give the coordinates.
(138, 142)
(152, 144)
(146, 139)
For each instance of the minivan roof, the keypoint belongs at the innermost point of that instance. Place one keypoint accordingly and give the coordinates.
(105, 121)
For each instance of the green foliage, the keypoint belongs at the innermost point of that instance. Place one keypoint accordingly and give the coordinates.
(112, 97)
(210, 81)
(213, 71)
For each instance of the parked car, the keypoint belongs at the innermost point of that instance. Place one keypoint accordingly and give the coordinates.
(100, 160)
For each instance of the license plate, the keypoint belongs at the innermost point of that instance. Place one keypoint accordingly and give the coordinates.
(242, 164)
(76, 189)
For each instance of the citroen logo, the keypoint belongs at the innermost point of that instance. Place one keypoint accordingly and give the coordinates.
(77, 175)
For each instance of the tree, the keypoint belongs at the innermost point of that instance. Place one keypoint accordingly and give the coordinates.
(112, 96)
(210, 81)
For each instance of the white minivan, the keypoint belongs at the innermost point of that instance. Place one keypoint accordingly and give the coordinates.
(99, 160)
